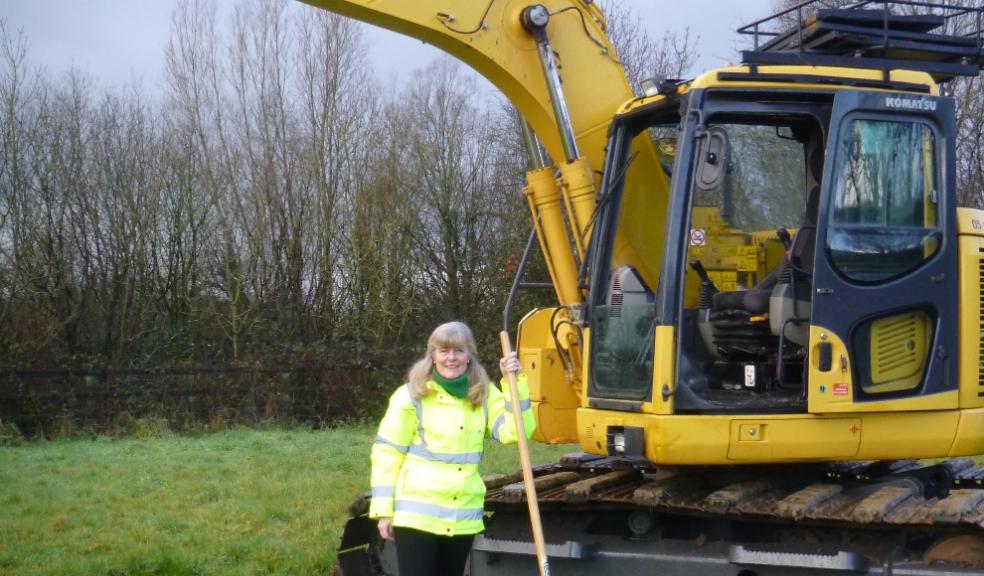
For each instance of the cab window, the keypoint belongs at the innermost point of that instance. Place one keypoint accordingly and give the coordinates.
(884, 218)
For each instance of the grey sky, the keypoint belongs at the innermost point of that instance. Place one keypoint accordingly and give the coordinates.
(118, 41)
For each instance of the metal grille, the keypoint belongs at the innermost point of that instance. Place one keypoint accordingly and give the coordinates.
(980, 324)
(617, 297)
(896, 343)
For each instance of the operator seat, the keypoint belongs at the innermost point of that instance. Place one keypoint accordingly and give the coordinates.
(755, 300)
(735, 319)
(801, 253)
(804, 249)
(801, 256)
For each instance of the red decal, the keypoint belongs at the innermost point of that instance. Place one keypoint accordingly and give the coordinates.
(841, 389)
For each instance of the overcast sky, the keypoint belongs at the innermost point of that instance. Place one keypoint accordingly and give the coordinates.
(119, 41)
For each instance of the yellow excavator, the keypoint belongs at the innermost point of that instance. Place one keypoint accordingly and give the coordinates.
(770, 323)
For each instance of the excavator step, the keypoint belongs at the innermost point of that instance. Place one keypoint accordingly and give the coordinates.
(850, 562)
(568, 549)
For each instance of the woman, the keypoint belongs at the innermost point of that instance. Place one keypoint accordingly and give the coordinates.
(427, 494)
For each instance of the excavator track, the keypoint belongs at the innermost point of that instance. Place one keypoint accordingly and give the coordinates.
(877, 494)
(614, 515)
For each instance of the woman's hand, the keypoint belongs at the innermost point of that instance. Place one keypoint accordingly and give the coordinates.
(385, 526)
(509, 364)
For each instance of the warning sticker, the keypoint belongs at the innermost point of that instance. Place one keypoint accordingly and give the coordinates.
(748, 264)
(841, 389)
(749, 375)
(698, 237)
(727, 281)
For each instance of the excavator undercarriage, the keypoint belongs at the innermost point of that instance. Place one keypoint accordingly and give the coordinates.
(608, 515)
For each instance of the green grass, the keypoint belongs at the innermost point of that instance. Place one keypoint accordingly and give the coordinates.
(236, 502)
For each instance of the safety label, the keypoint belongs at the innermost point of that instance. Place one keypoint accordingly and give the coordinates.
(698, 237)
(749, 375)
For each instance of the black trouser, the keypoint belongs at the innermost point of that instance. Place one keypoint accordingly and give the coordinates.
(424, 554)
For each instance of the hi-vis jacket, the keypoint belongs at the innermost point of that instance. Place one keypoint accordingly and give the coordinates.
(425, 457)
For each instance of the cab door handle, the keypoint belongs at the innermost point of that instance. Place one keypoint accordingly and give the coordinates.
(826, 359)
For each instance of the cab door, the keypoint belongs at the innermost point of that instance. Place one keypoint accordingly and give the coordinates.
(884, 313)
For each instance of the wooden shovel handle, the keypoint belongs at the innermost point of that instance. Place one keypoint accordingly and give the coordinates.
(524, 458)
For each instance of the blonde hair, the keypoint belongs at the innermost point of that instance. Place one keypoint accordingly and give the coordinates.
(450, 335)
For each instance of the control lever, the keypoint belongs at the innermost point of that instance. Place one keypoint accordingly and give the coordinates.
(707, 287)
(784, 237)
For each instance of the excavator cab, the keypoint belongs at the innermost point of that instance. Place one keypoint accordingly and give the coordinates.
(809, 238)
(746, 193)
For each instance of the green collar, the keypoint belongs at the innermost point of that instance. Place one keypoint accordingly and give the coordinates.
(457, 387)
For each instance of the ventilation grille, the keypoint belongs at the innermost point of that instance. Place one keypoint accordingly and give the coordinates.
(617, 292)
(899, 345)
(980, 325)
(896, 344)
(616, 297)
(626, 288)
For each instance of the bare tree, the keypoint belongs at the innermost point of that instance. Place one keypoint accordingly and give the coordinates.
(19, 94)
(452, 184)
(643, 57)
(274, 203)
(339, 118)
(377, 269)
(199, 124)
(278, 113)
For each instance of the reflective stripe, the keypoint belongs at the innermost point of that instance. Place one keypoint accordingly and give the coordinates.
(485, 418)
(498, 424)
(399, 448)
(523, 405)
(420, 416)
(421, 451)
(383, 491)
(439, 511)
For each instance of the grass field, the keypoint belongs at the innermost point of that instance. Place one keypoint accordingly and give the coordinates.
(235, 502)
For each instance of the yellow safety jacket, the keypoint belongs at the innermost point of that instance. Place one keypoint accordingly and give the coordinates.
(425, 457)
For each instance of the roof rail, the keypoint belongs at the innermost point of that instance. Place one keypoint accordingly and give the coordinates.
(940, 39)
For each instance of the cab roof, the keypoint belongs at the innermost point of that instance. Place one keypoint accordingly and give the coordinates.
(795, 78)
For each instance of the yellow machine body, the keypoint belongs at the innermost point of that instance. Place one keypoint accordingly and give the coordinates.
(835, 426)
(837, 418)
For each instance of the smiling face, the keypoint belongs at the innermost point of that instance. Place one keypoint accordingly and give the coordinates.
(450, 361)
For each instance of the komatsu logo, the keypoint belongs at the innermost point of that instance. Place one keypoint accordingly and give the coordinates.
(910, 103)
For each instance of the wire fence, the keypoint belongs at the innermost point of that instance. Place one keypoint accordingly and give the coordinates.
(45, 403)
